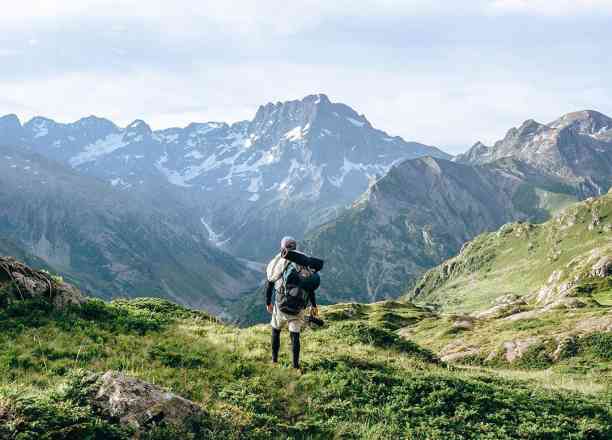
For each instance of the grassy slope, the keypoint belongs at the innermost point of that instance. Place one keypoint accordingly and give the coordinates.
(519, 259)
(360, 379)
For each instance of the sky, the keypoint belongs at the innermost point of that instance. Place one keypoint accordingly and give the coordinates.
(445, 73)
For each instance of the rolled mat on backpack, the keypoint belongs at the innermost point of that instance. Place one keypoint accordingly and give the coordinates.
(303, 260)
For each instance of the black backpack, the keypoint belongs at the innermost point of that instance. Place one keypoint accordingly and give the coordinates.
(291, 299)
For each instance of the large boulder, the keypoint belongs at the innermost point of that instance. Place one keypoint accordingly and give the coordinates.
(137, 403)
(458, 352)
(22, 282)
(505, 305)
(514, 350)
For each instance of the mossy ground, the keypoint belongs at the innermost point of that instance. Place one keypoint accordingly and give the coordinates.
(360, 379)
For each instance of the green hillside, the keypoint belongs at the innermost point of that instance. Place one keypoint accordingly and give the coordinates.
(510, 339)
(360, 379)
(527, 260)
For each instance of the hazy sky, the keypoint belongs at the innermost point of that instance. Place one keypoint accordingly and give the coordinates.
(446, 73)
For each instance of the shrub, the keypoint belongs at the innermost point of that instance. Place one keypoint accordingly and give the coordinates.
(598, 345)
(175, 356)
(363, 333)
(536, 356)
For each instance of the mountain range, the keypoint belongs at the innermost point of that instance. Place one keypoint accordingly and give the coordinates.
(574, 148)
(108, 241)
(423, 210)
(210, 201)
(133, 211)
(291, 167)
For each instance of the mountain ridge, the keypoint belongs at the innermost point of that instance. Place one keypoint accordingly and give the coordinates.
(577, 147)
(244, 180)
(110, 243)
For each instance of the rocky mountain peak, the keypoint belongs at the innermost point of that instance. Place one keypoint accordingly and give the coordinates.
(140, 126)
(10, 128)
(39, 126)
(475, 153)
(137, 131)
(10, 121)
(529, 127)
(311, 113)
(575, 147)
(588, 122)
(94, 122)
(206, 127)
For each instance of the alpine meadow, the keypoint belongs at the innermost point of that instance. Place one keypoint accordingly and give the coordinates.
(197, 243)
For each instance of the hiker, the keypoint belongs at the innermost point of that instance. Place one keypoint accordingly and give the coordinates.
(295, 287)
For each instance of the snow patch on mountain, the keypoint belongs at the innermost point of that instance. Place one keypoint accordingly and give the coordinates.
(369, 170)
(120, 182)
(297, 134)
(40, 128)
(172, 176)
(171, 138)
(195, 154)
(355, 122)
(255, 184)
(101, 147)
(213, 237)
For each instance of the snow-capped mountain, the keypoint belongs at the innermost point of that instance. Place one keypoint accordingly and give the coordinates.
(109, 242)
(293, 166)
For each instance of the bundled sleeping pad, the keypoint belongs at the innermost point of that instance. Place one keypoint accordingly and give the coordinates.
(301, 259)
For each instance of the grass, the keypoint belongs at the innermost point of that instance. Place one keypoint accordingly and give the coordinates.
(360, 379)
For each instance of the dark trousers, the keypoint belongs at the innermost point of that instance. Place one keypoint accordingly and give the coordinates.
(295, 346)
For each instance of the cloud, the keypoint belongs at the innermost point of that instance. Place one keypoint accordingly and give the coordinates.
(552, 7)
(443, 73)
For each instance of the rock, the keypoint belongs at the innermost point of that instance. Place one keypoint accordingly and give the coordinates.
(529, 314)
(595, 324)
(566, 346)
(464, 324)
(505, 305)
(32, 283)
(510, 298)
(514, 350)
(138, 404)
(603, 267)
(554, 290)
(565, 303)
(455, 352)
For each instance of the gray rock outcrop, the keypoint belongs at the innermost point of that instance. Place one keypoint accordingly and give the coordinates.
(139, 404)
(30, 283)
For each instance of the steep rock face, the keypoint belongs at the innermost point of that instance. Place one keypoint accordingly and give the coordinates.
(416, 216)
(293, 166)
(576, 147)
(108, 242)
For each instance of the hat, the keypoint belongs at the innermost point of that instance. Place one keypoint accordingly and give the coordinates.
(288, 243)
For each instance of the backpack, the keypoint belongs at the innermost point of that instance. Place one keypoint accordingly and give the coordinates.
(291, 299)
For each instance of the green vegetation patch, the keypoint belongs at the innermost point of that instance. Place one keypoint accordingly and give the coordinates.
(597, 345)
(360, 380)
